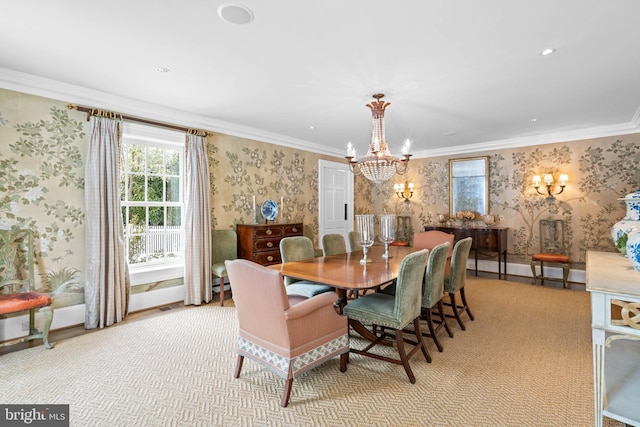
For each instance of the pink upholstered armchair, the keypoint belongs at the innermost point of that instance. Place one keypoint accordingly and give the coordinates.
(432, 238)
(286, 334)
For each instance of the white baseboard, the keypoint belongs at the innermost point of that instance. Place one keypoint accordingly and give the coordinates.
(14, 327)
(524, 270)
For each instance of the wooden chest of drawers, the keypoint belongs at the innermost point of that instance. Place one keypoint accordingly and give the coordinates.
(261, 242)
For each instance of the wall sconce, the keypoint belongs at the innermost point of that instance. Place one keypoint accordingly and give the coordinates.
(404, 191)
(548, 182)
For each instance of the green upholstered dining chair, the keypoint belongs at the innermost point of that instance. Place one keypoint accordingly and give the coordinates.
(455, 281)
(333, 244)
(395, 312)
(307, 231)
(286, 335)
(354, 246)
(224, 246)
(433, 293)
(300, 248)
(17, 284)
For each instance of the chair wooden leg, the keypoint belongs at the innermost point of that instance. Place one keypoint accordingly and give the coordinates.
(454, 308)
(403, 355)
(541, 273)
(533, 272)
(565, 275)
(432, 331)
(344, 359)
(443, 319)
(238, 366)
(222, 291)
(420, 340)
(286, 393)
(464, 304)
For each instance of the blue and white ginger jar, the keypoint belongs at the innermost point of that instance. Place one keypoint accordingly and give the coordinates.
(629, 222)
(633, 249)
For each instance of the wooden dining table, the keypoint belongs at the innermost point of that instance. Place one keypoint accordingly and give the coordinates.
(345, 273)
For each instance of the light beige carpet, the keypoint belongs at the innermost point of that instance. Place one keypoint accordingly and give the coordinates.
(524, 361)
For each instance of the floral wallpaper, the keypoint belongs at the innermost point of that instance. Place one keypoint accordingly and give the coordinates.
(600, 171)
(42, 147)
(243, 168)
(41, 188)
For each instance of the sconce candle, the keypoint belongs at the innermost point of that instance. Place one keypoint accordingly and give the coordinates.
(404, 191)
(548, 182)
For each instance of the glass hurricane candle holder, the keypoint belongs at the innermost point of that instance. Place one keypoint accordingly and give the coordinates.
(364, 231)
(387, 233)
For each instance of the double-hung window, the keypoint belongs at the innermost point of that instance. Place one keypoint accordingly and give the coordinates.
(151, 195)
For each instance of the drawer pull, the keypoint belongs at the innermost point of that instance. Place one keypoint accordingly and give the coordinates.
(269, 244)
(270, 258)
(295, 230)
(269, 232)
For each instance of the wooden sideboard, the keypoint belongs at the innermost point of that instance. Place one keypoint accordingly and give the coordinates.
(261, 242)
(614, 286)
(491, 239)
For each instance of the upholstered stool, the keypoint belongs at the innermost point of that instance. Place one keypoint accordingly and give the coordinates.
(550, 258)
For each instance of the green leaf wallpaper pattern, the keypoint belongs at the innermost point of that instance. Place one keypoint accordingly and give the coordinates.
(600, 171)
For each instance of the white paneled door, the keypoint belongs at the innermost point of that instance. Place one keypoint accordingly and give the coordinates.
(335, 194)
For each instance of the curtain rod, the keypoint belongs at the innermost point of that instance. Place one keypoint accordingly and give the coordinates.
(104, 113)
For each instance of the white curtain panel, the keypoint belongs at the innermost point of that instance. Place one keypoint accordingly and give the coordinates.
(197, 223)
(107, 273)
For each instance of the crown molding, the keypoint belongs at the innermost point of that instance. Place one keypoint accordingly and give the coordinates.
(48, 88)
(532, 140)
(40, 86)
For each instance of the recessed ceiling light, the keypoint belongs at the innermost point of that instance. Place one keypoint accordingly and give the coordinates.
(235, 13)
(534, 120)
(163, 70)
(547, 51)
(312, 127)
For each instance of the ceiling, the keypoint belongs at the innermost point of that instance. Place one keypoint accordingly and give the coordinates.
(461, 75)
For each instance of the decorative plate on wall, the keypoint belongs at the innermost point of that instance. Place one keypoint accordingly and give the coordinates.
(269, 210)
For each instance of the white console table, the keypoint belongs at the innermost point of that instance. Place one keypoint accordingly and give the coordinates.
(615, 327)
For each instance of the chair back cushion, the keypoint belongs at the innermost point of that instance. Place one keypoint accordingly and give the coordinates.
(432, 238)
(333, 244)
(409, 287)
(224, 245)
(260, 300)
(458, 274)
(433, 286)
(353, 242)
(297, 248)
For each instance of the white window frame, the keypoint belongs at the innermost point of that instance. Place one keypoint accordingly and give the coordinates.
(152, 136)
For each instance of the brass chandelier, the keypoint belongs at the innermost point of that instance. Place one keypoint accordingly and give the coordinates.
(378, 165)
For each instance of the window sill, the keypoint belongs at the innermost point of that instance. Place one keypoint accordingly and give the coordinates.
(157, 273)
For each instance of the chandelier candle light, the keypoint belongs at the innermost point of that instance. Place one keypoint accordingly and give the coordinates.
(378, 165)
